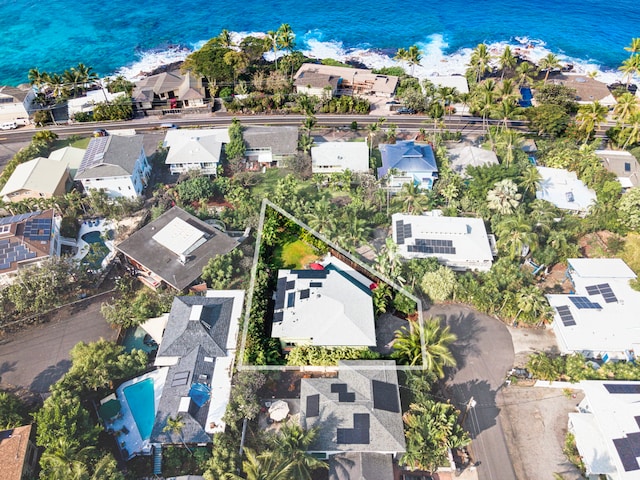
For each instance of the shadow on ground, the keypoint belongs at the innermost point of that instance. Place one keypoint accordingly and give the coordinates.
(49, 376)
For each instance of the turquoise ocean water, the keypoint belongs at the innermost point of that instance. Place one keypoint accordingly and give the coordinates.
(108, 36)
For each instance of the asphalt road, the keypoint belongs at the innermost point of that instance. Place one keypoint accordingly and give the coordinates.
(484, 353)
(37, 357)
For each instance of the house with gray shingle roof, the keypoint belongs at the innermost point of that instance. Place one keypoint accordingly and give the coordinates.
(270, 146)
(358, 411)
(169, 89)
(117, 164)
(198, 347)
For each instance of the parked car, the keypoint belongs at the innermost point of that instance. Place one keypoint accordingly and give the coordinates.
(405, 110)
(168, 125)
(8, 126)
(393, 102)
(100, 132)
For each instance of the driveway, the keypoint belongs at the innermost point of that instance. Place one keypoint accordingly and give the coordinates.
(484, 353)
(37, 357)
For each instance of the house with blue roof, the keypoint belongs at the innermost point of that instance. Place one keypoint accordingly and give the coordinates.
(408, 162)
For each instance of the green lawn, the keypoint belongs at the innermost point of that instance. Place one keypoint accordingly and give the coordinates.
(82, 143)
(268, 182)
(297, 254)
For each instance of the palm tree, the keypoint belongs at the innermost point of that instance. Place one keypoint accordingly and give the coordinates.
(291, 444)
(305, 143)
(321, 218)
(447, 96)
(634, 46)
(225, 39)
(273, 39)
(549, 63)
(355, 233)
(590, 117)
(412, 198)
(479, 62)
(408, 347)
(401, 55)
(530, 179)
(509, 142)
(414, 55)
(507, 110)
(507, 61)
(174, 426)
(515, 235)
(266, 466)
(485, 97)
(525, 73)
(64, 461)
(504, 197)
(37, 78)
(630, 67)
(633, 130)
(626, 105)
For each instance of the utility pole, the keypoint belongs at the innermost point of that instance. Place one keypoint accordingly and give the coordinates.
(470, 404)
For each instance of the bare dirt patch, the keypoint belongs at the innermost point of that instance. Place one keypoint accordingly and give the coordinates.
(535, 427)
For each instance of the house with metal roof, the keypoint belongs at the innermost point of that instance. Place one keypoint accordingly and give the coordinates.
(469, 156)
(317, 79)
(460, 243)
(328, 307)
(198, 347)
(563, 189)
(357, 412)
(116, 164)
(270, 146)
(26, 239)
(18, 453)
(623, 164)
(170, 90)
(599, 320)
(408, 162)
(16, 104)
(606, 428)
(195, 149)
(37, 178)
(71, 157)
(173, 249)
(332, 157)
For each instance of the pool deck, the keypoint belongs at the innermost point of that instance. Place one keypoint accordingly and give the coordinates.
(131, 443)
(101, 226)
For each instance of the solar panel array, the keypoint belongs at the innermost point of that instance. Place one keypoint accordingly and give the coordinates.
(359, 434)
(584, 303)
(627, 388)
(385, 396)
(17, 218)
(304, 294)
(180, 378)
(94, 154)
(315, 274)
(605, 290)
(313, 405)
(291, 285)
(278, 317)
(343, 394)
(13, 252)
(402, 232)
(429, 245)
(38, 229)
(281, 290)
(629, 450)
(566, 316)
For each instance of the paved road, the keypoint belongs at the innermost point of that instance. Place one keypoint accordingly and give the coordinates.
(37, 357)
(484, 353)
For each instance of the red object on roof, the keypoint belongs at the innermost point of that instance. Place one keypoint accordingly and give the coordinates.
(373, 286)
(316, 266)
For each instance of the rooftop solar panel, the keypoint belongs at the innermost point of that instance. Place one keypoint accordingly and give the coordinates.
(400, 232)
(359, 434)
(280, 293)
(566, 316)
(179, 379)
(584, 303)
(407, 230)
(385, 396)
(291, 285)
(604, 289)
(291, 299)
(304, 294)
(313, 405)
(628, 450)
(615, 388)
(315, 274)
(315, 284)
(278, 317)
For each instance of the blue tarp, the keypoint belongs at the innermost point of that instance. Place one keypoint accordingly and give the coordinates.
(200, 393)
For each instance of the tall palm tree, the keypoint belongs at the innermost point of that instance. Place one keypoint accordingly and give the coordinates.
(590, 117)
(286, 37)
(634, 46)
(447, 96)
(630, 67)
(507, 109)
(266, 466)
(37, 78)
(530, 300)
(401, 55)
(525, 73)
(479, 62)
(322, 217)
(291, 444)
(408, 348)
(507, 61)
(515, 234)
(412, 198)
(484, 99)
(509, 142)
(504, 197)
(175, 425)
(273, 39)
(530, 179)
(225, 39)
(633, 131)
(414, 55)
(549, 63)
(305, 143)
(626, 105)
(65, 461)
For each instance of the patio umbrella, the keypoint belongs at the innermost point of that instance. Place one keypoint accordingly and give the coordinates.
(279, 410)
(110, 409)
(316, 266)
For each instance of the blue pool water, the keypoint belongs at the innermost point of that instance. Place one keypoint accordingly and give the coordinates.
(140, 398)
(98, 251)
(525, 93)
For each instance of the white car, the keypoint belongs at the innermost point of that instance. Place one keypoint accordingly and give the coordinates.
(8, 126)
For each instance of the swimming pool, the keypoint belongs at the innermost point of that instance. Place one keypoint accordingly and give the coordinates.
(140, 398)
(527, 96)
(98, 250)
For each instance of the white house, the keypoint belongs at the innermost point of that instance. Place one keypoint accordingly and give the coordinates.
(459, 82)
(623, 164)
(563, 189)
(87, 103)
(601, 318)
(116, 164)
(195, 149)
(16, 105)
(329, 307)
(459, 243)
(331, 157)
(607, 429)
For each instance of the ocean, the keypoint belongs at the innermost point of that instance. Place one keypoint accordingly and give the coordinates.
(124, 37)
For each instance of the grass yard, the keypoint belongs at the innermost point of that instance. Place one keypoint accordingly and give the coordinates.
(82, 143)
(297, 254)
(268, 182)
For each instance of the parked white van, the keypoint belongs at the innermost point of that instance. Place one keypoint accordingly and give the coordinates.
(8, 125)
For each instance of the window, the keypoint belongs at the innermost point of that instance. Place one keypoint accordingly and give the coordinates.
(627, 167)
